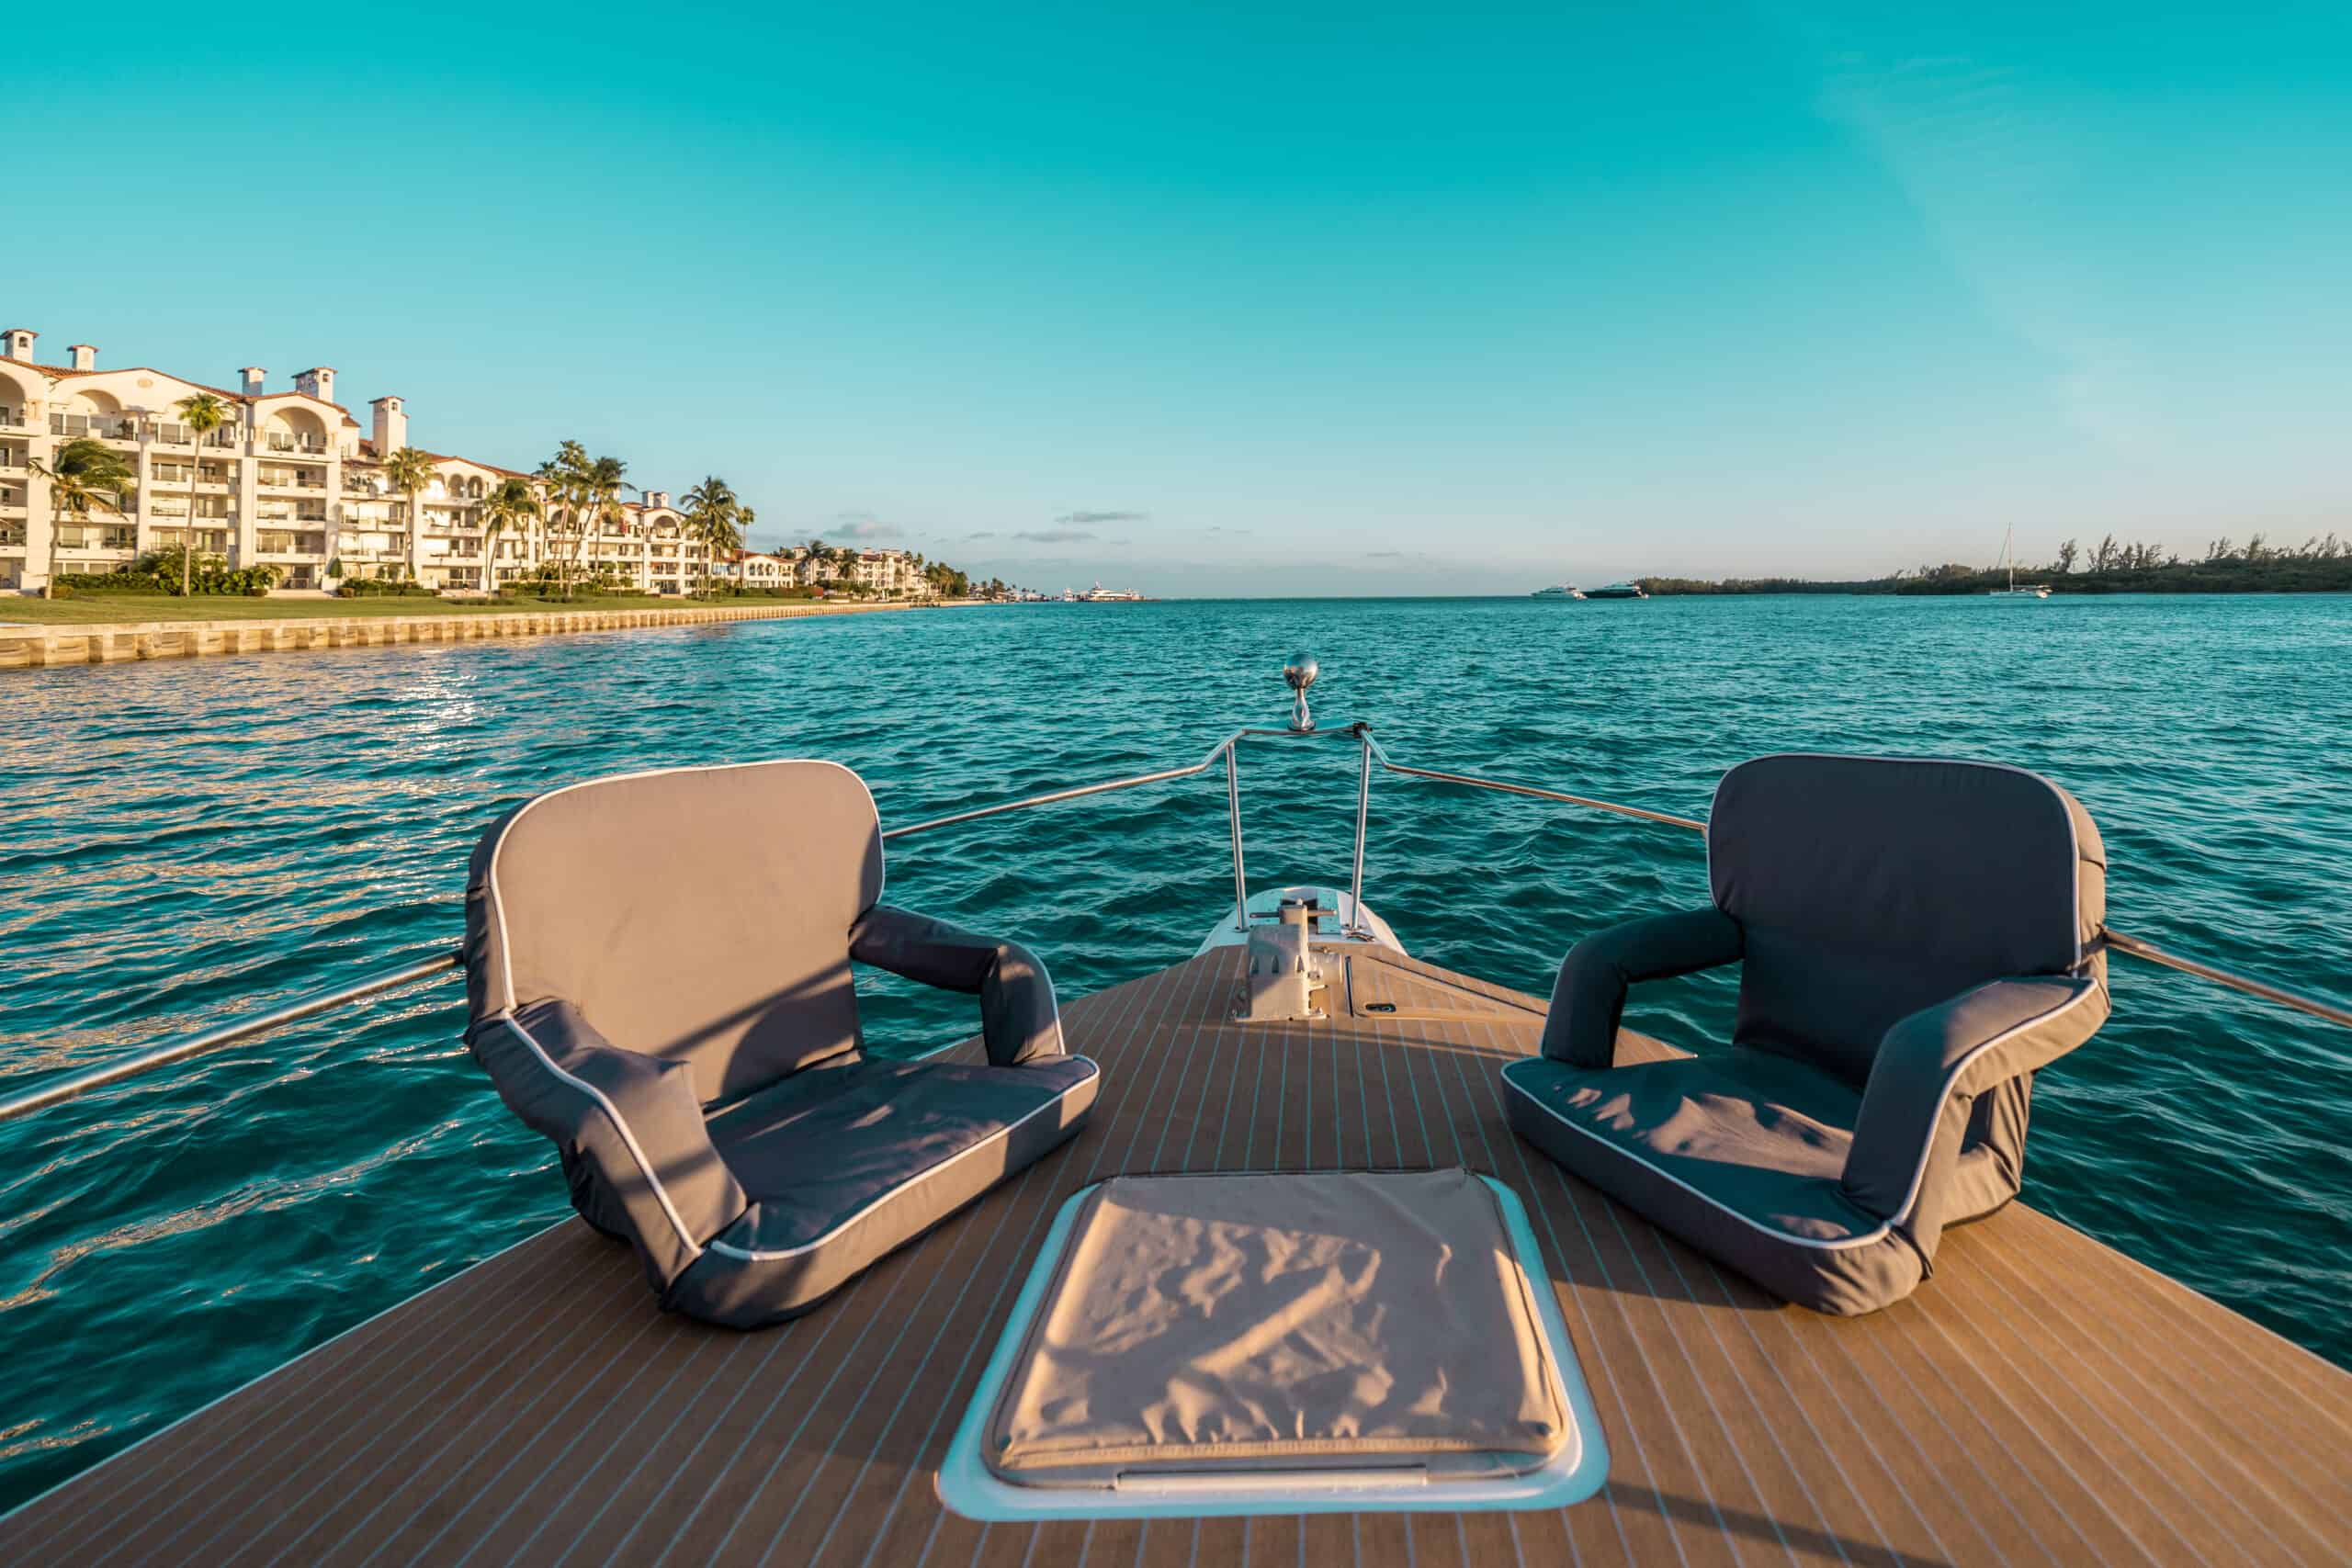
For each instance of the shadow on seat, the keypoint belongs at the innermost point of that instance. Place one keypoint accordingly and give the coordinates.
(1916, 938)
(657, 972)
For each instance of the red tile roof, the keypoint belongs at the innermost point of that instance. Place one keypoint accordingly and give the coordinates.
(61, 371)
(367, 454)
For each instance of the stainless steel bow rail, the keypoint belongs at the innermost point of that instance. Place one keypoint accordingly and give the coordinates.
(1301, 673)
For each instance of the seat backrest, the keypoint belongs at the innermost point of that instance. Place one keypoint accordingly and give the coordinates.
(694, 914)
(1870, 887)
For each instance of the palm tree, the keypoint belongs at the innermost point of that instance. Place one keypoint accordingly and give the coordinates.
(715, 518)
(86, 472)
(555, 477)
(203, 413)
(576, 489)
(511, 505)
(588, 492)
(408, 471)
(601, 488)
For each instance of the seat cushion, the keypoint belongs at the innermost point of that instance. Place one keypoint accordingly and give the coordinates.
(1756, 1133)
(845, 1161)
(643, 900)
(1866, 888)
(1740, 1155)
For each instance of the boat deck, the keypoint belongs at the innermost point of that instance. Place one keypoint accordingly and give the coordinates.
(2043, 1398)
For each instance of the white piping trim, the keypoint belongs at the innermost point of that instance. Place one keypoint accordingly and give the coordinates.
(506, 960)
(637, 1152)
(2065, 806)
(1951, 1078)
(751, 1256)
(1919, 1173)
(498, 906)
(1777, 1235)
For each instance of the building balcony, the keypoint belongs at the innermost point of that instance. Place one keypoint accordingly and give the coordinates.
(11, 535)
(278, 442)
(209, 534)
(18, 418)
(277, 545)
(106, 427)
(71, 537)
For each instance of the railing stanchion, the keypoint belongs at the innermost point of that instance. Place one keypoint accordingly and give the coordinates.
(1233, 815)
(1357, 924)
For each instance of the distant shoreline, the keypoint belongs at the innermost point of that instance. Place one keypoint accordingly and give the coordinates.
(2276, 573)
(1842, 592)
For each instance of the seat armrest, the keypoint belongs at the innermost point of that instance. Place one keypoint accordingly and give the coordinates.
(1588, 998)
(1930, 1067)
(1019, 1019)
(634, 1118)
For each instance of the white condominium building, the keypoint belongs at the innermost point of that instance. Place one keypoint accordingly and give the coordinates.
(896, 573)
(755, 572)
(290, 481)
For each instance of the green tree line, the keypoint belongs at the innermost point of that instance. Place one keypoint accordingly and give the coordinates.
(2321, 564)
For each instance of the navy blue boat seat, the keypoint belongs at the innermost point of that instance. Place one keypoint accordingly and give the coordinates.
(1916, 940)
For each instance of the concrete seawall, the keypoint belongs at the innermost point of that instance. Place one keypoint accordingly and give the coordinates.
(25, 646)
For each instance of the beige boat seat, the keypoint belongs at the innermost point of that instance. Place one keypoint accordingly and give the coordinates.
(659, 979)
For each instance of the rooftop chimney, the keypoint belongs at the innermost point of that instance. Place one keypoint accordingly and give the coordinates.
(86, 356)
(17, 342)
(392, 426)
(319, 381)
(658, 499)
(253, 376)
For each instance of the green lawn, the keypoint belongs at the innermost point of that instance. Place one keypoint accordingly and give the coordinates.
(96, 608)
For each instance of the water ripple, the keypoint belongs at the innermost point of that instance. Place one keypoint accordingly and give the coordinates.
(187, 841)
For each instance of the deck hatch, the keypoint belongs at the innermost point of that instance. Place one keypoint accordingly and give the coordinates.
(1254, 1342)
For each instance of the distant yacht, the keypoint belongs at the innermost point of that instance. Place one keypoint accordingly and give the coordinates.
(1558, 590)
(2009, 557)
(1618, 591)
(1098, 594)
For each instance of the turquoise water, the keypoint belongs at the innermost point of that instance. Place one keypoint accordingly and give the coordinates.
(185, 841)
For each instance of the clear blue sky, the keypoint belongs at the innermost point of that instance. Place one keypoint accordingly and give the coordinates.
(1218, 300)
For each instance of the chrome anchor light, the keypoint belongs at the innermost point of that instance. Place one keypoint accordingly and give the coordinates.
(1300, 670)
